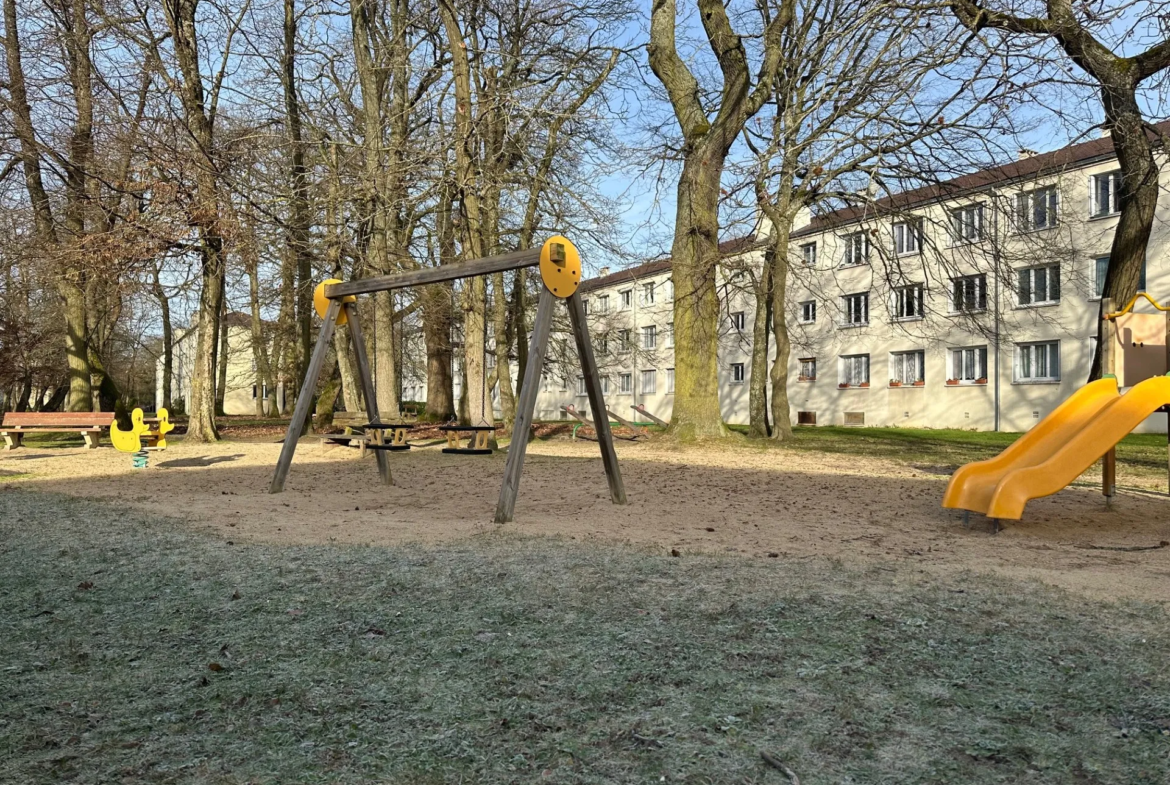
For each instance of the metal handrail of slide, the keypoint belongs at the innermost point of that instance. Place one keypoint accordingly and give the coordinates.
(1129, 307)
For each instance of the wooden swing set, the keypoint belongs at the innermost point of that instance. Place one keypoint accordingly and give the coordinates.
(560, 271)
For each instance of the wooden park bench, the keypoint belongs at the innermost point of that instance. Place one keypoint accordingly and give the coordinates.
(17, 425)
(477, 439)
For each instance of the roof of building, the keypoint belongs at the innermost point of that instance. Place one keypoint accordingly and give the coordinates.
(630, 274)
(1026, 168)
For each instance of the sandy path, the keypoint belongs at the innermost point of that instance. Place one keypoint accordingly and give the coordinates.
(745, 500)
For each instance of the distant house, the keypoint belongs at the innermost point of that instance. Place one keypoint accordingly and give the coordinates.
(243, 381)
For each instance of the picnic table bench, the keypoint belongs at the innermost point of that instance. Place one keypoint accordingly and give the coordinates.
(16, 425)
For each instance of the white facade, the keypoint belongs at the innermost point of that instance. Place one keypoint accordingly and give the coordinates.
(972, 304)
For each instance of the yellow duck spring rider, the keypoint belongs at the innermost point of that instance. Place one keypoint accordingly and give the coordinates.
(131, 440)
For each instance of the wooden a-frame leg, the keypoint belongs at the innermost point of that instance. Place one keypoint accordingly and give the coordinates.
(305, 399)
(367, 381)
(617, 489)
(526, 406)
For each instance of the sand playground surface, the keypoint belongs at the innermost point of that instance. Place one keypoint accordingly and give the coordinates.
(747, 501)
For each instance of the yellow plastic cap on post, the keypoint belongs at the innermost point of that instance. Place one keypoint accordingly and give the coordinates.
(321, 302)
(560, 266)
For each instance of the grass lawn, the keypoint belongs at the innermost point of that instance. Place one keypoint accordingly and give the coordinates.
(1142, 454)
(134, 651)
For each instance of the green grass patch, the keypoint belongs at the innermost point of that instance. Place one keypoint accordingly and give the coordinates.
(134, 651)
(1145, 452)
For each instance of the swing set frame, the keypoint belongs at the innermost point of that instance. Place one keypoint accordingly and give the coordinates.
(560, 269)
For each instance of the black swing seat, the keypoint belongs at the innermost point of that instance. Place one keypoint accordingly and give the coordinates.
(397, 440)
(477, 443)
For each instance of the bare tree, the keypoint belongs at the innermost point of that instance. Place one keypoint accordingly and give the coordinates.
(706, 143)
(1082, 31)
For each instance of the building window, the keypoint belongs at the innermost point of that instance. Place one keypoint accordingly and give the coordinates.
(581, 386)
(969, 293)
(737, 373)
(907, 238)
(856, 308)
(1101, 267)
(808, 312)
(808, 369)
(603, 343)
(808, 254)
(670, 381)
(585, 305)
(603, 303)
(649, 382)
(623, 340)
(668, 290)
(1039, 285)
(605, 385)
(1104, 191)
(967, 224)
(649, 336)
(647, 294)
(908, 302)
(1036, 209)
(738, 321)
(255, 391)
(856, 249)
(625, 382)
(1038, 362)
(969, 365)
(854, 370)
(627, 296)
(668, 335)
(908, 368)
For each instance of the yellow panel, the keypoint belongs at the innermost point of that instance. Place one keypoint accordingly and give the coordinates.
(560, 266)
(321, 302)
(131, 440)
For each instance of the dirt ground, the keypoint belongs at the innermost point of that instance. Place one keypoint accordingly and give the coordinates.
(746, 500)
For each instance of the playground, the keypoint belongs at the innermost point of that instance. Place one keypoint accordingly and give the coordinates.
(826, 497)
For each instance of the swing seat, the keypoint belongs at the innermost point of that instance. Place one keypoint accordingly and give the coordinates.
(397, 440)
(477, 441)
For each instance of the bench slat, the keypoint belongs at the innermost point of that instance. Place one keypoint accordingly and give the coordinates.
(59, 419)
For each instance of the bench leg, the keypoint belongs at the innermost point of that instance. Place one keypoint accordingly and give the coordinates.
(92, 440)
(12, 440)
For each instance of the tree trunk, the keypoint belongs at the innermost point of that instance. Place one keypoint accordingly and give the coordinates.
(1139, 201)
(500, 328)
(781, 416)
(221, 364)
(694, 261)
(466, 184)
(758, 383)
(168, 338)
(377, 257)
(68, 277)
(297, 233)
(180, 16)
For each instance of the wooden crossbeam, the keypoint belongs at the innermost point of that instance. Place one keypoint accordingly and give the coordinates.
(427, 275)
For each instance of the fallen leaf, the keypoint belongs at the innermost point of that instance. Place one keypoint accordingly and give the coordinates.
(214, 666)
(85, 585)
(674, 552)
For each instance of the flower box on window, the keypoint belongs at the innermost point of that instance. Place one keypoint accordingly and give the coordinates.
(981, 380)
(864, 384)
(842, 385)
(920, 383)
(952, 382)
(895, 383)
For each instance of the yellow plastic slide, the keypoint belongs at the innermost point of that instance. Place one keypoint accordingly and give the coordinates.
(1058, 450)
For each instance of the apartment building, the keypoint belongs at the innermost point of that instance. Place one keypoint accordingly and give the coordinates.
(971, 303)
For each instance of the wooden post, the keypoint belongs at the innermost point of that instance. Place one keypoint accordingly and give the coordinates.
(367, 382)
(1109, 366)
(305, 399)
(617, 489)
(526, 407)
